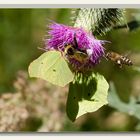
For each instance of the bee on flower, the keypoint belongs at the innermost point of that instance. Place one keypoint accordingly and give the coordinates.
(80, 48)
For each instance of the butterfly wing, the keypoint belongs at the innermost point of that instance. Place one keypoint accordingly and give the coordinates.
(52, 67)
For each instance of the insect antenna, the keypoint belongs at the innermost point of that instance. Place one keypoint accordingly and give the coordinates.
(75, 41)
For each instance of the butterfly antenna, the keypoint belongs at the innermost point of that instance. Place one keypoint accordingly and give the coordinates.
(43, 49)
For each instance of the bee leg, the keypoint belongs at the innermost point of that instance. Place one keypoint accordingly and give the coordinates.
(62, 53)
(119, 63)
(66, 44)
(120, 66)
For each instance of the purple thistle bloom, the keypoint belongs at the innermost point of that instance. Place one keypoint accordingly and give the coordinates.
(60, 35)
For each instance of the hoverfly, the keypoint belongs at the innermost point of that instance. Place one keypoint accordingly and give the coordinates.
(120, 60)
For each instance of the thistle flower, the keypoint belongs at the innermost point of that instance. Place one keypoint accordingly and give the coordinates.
(60, 35)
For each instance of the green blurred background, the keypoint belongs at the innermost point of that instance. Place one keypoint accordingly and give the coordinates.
(21, 33)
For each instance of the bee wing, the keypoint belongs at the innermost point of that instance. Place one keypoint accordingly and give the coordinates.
(81, 54)
(97, 20)
(128, 53)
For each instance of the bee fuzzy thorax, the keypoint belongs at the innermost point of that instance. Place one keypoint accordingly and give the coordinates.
(70, 52)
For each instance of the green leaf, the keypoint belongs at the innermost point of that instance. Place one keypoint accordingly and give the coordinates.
(52, 67)
(132, 108)
(86, 96)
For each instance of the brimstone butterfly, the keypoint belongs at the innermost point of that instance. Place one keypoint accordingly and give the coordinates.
(52, 67)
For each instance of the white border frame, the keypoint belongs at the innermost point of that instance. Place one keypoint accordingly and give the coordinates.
(70, 2)
(40, 5)
(115, 137)
(69, 5)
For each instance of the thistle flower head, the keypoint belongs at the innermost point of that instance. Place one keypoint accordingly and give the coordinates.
(87, 45)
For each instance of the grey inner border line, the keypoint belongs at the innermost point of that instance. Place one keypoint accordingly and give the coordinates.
(69, 5)
(72, 133)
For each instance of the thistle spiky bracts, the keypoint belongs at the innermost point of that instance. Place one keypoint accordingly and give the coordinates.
(98, 21)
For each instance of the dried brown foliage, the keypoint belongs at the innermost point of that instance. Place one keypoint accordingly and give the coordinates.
(35, 106)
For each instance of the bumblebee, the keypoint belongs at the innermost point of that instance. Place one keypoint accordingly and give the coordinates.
(120, 60)
(72, 51)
